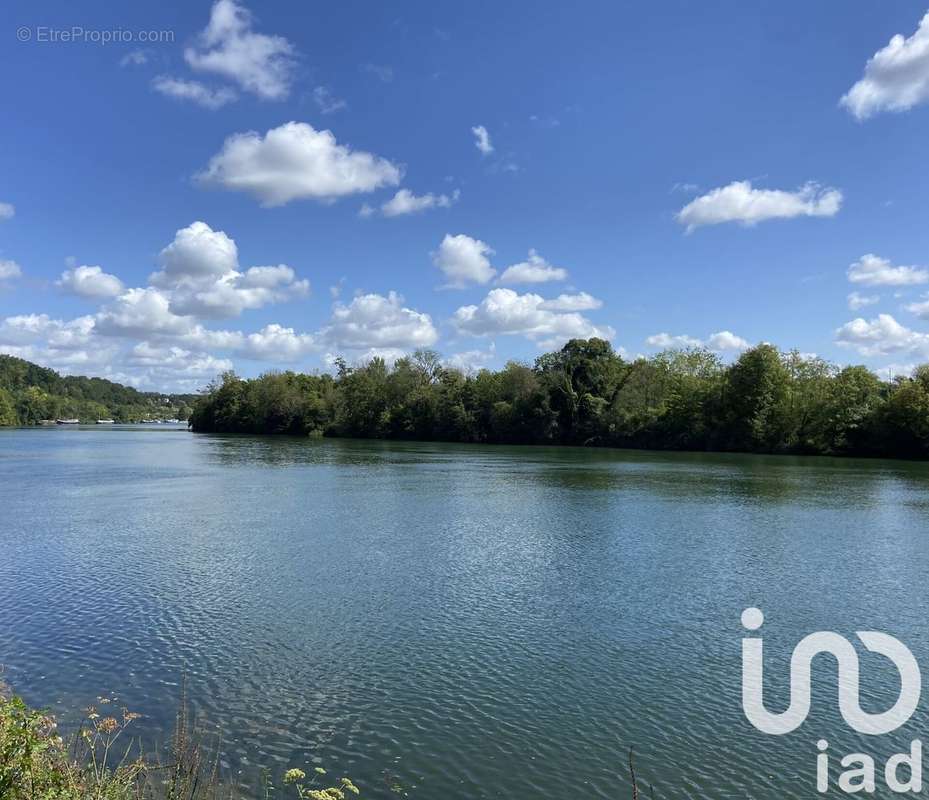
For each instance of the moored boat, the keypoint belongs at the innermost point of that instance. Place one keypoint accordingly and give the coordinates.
(106, 421)
(68, 421)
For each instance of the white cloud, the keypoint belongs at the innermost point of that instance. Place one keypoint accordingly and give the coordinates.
(534, 269)
(881, 336)
(383, 72)
(295, 161)
(666, 341)
(277, 343)
(336, 289)
(920, 309)
(174, 362)
(872, 270)
(200, 271)
(9, 270)
(7, 211)
(197, 251)
(135, 58)
(259, 63)
(471, 361)
(372, 320)
(857, 301)
(90, 282)
(140, 313)
(482, 140)
(573, 302)
(29, 329)
(194, 91)
(327, 102)
(405, 202)
(463, 260)
(896, 78)
(235, 292)
(726, 340)
(505, 312)
(739, 202)
(719, 342)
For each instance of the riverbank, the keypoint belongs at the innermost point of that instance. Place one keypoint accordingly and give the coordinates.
(585, 394)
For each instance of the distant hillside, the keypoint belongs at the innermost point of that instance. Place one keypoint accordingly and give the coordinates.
(30, 393)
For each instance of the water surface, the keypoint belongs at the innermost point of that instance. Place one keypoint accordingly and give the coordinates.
(461, 621)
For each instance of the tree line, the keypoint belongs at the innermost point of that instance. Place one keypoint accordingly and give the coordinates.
(766, 401)
(30, 394)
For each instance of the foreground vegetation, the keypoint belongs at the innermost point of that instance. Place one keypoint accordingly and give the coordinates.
(586, 394)
(30, 394)
(99, 762)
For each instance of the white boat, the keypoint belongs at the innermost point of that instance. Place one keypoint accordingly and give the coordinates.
(106, 421)
(68, 421)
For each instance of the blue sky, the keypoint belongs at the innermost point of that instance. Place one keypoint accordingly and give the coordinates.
(496, 178)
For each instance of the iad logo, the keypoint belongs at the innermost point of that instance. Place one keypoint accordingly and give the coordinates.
(862, 777)
(847, 659)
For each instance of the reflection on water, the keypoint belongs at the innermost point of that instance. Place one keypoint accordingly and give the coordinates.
(472, 621)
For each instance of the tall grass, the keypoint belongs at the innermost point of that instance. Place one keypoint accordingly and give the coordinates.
(102, 761)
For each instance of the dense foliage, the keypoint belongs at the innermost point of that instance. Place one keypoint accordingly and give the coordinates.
(30, 394)
(586, 394)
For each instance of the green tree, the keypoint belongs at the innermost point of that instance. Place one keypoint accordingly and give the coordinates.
(755, 401)
(8, 415)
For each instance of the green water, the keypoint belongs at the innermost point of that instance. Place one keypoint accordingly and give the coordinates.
(466, 622)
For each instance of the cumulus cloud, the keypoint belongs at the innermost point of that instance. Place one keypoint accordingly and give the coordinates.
(881, 336)
(920, 309)
(373, 320)
(739, 202)
(156, 334)
(506, 312)
(31, 329)
(141, 312)
(534, 269)
(197, 251)
(726, 340)
(872, 270)
(896, 77)
(573, 302)
(471, 361)
(173, 362)
(235, 292)
(9, 270)
(405, 202)
(482, 140)
(90, 282)
(194, 91)
(464, 260)
(295, 161)
(7, 210)
(857, 301)
(666, 341)
(259, 63)
(201, 276)
(721, 341)
(327, 102)
(277, 343)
